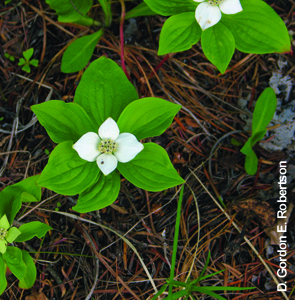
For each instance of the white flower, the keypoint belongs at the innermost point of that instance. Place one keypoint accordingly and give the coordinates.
(209, 12)
(108, 146)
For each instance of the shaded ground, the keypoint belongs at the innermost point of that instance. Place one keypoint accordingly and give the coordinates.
(66, 263)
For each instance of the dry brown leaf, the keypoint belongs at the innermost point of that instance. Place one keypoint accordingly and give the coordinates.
(262, 210)
(272, 231)
(190, 122)
(36, 296)
(120, 209)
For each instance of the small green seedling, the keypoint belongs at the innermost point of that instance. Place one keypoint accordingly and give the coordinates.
(18, 261)
(264, 111)
(26, 62)
(10, 57)
(188, 287)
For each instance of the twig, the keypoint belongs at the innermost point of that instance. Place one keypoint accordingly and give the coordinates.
(118, 234)
(239, 230)
(216, 144)
(34, 118)
(96, 269)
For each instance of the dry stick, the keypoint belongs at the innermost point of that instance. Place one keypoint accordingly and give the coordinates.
(245, 238)
(39, 204)
(41, 13)
(44, 37)
(96, 269)
(187, 110)
(12, 133)
(118, 234)
(144, 74)
(100, 257)
(15, 130)
(215, 146)
(21, 151)
(34, 119)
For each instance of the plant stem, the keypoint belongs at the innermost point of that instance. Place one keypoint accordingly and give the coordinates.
(122, 38)
(158, 66)
(175, 242)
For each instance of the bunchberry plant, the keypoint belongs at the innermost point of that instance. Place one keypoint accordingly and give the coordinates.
(7, 233)
(98, 135)
(263, 113)
(26, 62)
(250, 26)
(18, 261)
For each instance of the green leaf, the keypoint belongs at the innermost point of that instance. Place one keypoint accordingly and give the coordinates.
(106, 7)
(3, 282)
(78, 54)
(14, 261)
(28, 53)
(11, 196)
(10, 57)
(247, 148)
(160, 292)
(227, 288)
(177, 295)
(257, 137)
(235, 142)
(151, 169)
(147, 117)
(68, 13)
(27, 197)
(66, 173)
(171, 7)
(207, 291)
(264, 110)
(32, 229)
(30, 277)
(104, 91)
(218, 45)
(102, 194)
(26, 68)
(258, 29)
(21, 62)
(175, 240)
(179, 33)
(63, 121)
(251, 164)
(140, 10)
(34, 62)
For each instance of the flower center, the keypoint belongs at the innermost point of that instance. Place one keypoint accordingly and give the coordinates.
(214, 2)
(107, 146)
(3, 233)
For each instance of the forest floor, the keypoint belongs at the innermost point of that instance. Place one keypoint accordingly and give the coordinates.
(198, 143)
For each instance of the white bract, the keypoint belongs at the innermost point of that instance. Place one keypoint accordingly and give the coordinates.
(108, 146)
(208, 13)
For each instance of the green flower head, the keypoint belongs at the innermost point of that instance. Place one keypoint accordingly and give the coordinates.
(7, 234)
